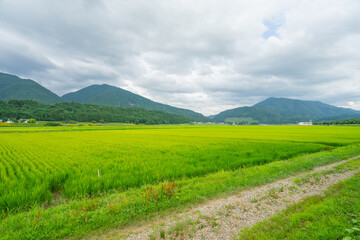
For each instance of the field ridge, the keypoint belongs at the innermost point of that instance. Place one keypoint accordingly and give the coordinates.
(223, 218)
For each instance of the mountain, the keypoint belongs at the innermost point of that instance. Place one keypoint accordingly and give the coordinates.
(284, 110)
(113, 96)
(299, 108)
(13, 87)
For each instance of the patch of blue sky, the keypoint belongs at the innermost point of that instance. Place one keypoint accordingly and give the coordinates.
(273, 24)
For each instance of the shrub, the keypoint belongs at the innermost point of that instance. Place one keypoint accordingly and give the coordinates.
(53, 124)
(32, 120)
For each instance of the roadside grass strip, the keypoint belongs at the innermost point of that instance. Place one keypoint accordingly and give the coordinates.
(224, 217)
(333, 215)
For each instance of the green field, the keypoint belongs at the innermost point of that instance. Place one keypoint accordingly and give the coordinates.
(51, 170)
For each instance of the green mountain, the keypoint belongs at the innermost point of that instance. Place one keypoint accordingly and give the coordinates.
(283, 110)
(113, 96)
(13, 87)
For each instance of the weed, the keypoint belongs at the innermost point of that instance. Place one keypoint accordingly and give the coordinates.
(169, 189)
(353, 232)
(214, 223)
(201, 226)
(162, 234)
(293, 188)
(229, 206)
(152, 236)
(184, 227)
(272, 194)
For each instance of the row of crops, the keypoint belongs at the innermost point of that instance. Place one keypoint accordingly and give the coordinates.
(35, 165)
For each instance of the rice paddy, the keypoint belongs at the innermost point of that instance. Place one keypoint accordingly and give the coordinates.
(81, 163)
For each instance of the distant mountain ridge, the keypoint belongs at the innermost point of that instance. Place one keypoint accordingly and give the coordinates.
(284, 110)
(270, 111)
(13, 87)
(117, 97)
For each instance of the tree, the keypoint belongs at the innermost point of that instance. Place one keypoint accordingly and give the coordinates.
(32, 120)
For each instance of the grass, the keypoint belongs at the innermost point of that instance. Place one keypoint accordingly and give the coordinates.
(335, 215)
(316, 176)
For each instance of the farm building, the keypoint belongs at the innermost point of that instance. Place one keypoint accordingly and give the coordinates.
(305, 123)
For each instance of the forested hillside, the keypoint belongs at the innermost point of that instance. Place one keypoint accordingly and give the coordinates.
(284, 111)
(117, 97)
(23, 109)
(13, 87)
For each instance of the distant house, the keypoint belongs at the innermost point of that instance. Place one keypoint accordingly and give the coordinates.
(9, 121)
(0, 120)
(26, 120)
(305, 123)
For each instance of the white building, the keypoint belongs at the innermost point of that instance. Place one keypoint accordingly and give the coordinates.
(305, 123)
(9, 121)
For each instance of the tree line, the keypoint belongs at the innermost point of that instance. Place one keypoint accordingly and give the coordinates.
(70, 111)
(340, 122)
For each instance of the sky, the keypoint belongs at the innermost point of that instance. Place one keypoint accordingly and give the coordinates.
(204, 55)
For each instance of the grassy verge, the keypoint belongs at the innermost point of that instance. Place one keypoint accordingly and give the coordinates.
(335, 215)
(78, 218)
(316, 176)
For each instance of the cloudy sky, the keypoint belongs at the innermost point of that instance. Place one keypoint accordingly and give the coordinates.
(204, 55)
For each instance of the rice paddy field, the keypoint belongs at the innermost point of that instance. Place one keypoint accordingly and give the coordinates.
(57, 179)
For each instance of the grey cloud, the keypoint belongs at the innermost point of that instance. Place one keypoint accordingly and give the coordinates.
(206, 55)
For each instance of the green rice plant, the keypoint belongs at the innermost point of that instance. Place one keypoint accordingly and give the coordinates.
(83, 162)
(56, 223)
